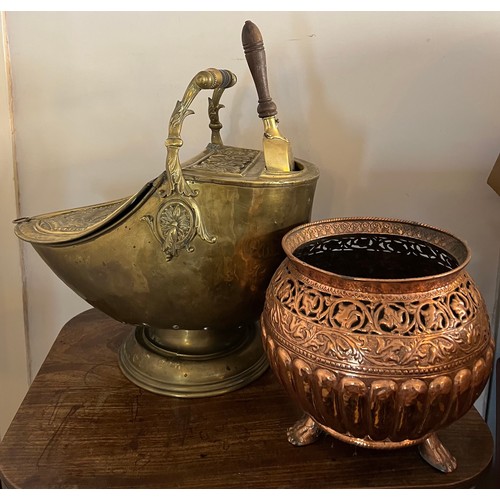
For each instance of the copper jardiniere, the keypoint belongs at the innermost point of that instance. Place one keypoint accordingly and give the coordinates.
(378, 332)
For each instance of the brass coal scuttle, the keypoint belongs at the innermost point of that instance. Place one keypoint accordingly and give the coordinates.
(187, 259)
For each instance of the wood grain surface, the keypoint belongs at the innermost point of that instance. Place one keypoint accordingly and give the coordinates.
(84, 425)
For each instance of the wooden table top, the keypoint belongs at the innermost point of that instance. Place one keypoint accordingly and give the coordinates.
(83, 424)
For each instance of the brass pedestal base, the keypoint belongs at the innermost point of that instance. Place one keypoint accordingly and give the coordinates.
(185, 367)
(306, 431)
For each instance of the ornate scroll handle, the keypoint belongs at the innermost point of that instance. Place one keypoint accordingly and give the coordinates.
(211, 78)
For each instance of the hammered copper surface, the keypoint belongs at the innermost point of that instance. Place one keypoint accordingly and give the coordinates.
(379, 363)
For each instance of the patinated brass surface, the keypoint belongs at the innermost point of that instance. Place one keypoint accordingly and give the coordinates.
(379, 363)
(187, 259)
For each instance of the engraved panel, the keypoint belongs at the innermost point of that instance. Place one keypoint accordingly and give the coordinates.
(378, 353)
(226, 159)
(77, 220)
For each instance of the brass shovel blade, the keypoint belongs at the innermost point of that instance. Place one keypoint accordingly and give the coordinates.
(277, 149)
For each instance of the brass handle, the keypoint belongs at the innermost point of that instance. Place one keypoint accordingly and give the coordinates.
(211, 78)
(255, 55)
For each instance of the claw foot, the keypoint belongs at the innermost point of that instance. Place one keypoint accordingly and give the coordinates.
(434, 453)
(304, 431)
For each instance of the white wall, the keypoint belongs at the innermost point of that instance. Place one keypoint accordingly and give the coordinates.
(400, 111)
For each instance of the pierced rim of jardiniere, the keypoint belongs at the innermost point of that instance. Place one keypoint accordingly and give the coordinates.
(425, 233)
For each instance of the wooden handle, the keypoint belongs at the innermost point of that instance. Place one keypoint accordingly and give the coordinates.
(255, 54)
